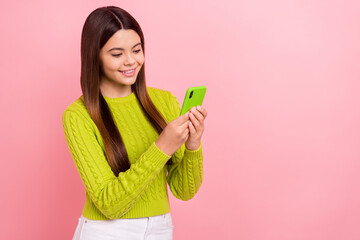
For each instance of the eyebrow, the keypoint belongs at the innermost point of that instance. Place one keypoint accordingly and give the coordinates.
(122, 48)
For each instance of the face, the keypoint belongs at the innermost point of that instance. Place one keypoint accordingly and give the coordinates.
(121, 59)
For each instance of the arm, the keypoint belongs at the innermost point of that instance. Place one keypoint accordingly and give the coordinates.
(112, 195)
(186, 173)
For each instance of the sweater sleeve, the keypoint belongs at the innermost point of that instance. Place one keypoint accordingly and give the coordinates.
(112, 195)
(185, 174)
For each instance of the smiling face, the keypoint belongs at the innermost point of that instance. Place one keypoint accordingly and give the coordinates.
(121, 59)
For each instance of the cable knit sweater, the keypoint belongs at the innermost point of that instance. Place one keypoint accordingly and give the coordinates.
(140, 191)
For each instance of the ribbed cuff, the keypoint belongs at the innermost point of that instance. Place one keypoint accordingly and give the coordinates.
(194, 154)
(158, 156)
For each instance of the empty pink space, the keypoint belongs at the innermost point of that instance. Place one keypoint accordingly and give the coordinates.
(281, 141)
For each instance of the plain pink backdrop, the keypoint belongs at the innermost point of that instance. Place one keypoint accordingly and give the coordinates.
(281, 141)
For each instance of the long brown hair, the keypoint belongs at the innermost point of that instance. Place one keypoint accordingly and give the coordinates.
(99, 26)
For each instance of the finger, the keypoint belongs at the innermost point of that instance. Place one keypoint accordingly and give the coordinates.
(186, 132)
(197, 114)
(202, 110)
(195, 122)
(192, 128)
(183, 118)
(184, 125)
(187, 137)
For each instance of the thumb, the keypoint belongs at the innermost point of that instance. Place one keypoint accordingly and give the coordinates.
(183, 118)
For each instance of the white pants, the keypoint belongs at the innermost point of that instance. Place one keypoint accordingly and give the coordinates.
(150, 228)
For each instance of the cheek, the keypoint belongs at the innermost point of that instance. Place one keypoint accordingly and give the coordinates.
(112, 64)
(140, 59)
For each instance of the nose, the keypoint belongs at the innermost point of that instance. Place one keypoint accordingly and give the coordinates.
(129, 60)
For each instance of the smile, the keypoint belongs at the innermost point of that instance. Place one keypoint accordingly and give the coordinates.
(129, 73)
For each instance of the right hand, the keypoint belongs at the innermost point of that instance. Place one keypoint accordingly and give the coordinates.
(174, 135)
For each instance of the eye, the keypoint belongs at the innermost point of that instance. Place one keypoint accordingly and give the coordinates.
(116, 55)
(136, 51)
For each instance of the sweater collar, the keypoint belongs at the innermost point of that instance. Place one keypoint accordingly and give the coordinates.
(128, 98)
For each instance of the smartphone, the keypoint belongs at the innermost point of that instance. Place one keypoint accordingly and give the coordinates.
(194, 96)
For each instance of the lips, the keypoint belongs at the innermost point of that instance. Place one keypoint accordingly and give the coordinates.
(129, 72)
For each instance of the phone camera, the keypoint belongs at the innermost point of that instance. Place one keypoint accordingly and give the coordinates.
(191, 93)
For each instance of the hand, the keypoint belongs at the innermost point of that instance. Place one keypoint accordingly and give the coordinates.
(197, 116)
(174, 135)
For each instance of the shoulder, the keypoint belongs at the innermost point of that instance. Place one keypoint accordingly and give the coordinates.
(160, 94)
(77, 109)
(165, 101)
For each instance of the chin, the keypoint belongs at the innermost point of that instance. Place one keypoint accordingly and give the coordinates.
(128, 82)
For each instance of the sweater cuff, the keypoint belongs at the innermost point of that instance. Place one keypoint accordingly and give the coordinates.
(194, 154)
(155, 153)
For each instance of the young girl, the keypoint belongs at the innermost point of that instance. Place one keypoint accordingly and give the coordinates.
(127, 140)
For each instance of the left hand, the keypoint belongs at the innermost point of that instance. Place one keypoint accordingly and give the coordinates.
(196, 126)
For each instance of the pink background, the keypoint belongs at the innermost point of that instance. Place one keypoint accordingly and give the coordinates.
(282, 138)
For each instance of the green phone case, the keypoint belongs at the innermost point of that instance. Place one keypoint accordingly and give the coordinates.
(194, 97)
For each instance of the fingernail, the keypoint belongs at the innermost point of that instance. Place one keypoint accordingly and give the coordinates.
(198, 107)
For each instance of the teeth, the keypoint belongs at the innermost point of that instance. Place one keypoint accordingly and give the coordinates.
(130, 71)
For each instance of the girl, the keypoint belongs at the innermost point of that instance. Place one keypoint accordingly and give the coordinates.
(127, 140)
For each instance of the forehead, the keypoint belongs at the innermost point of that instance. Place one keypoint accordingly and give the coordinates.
(124, 38)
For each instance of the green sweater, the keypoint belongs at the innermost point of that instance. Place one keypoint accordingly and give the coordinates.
(140, 191)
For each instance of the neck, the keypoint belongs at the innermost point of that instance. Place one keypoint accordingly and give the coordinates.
(114, 90)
